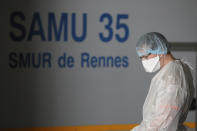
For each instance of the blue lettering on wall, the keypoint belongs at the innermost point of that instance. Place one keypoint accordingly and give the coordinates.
(20, 36)
(54, 30)
(84, 30)
(65, 61)
(36, 21)
(62, 26)
(88, 61)
(119, 25)
(30, 60)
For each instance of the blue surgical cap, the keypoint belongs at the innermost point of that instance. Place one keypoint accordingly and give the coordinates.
(152, 43)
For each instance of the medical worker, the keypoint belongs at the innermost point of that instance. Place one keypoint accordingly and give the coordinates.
(171, 90)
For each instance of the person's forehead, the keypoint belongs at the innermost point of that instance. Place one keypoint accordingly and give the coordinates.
(153, 55)
(149, 55)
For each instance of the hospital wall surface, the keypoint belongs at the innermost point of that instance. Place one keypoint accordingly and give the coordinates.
(73, 62)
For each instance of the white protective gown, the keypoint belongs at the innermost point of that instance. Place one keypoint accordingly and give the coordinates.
(168, 100)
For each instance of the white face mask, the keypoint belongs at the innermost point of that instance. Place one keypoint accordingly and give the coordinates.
(152, 64)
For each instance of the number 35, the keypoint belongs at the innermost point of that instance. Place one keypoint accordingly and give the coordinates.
(119, 25)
